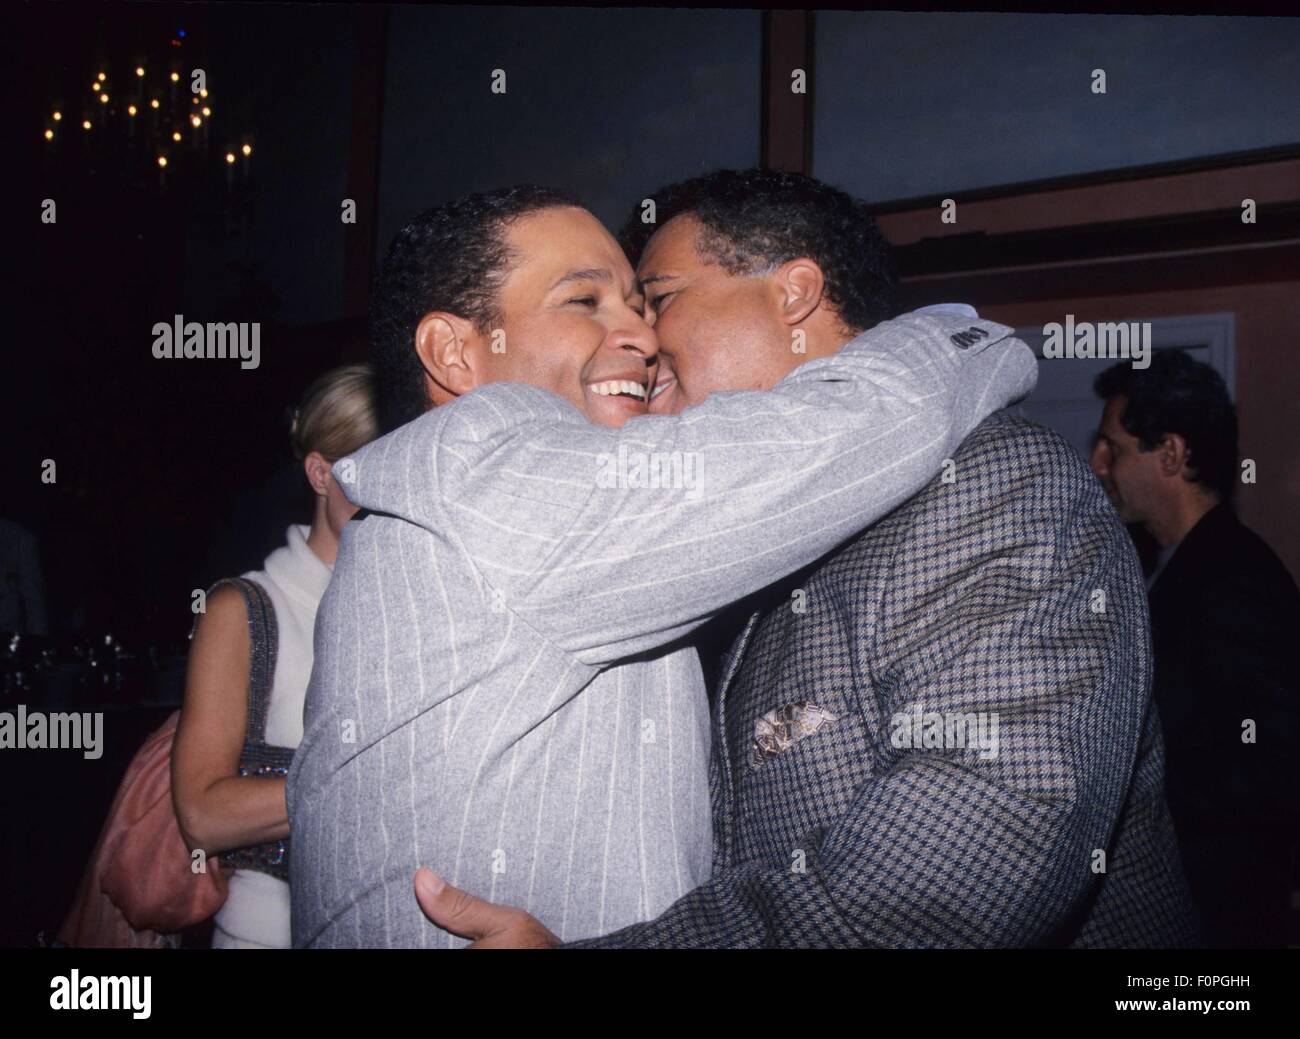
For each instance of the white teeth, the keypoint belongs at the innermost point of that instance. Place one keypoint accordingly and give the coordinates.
(616, 386)
(659, 389)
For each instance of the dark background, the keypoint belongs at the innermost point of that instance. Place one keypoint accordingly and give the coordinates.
(171, 474)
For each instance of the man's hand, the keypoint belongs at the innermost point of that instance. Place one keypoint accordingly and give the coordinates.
(486, 924)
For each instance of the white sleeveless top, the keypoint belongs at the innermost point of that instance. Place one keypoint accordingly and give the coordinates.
(256, 913)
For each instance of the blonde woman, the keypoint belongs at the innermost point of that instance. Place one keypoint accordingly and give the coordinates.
(249, 664)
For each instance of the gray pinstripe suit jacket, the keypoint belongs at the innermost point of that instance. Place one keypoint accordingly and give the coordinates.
(506, 628)
(1013, 591)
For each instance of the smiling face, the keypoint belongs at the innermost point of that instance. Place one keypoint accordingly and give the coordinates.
(717, 331)
(572, 318)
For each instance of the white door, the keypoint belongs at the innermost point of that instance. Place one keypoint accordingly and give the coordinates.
(1063, 399)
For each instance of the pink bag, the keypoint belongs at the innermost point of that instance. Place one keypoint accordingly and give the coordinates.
(139, 886)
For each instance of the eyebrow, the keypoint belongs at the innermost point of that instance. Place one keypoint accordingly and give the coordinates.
(657, 277)
(583, 274)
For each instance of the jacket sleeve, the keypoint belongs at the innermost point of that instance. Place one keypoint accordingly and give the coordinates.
(991, 607)
(612, 542)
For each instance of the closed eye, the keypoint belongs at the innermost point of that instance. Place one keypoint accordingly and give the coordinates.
(657, 301)
(586, 301)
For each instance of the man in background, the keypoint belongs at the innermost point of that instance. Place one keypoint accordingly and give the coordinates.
(1224, 619)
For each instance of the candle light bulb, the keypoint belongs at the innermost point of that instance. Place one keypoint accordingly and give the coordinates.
(195, 121)
(49, 135)
(162, 160)
(206, 111)
(131, 110)
(247, 149)
(230, 158)
(203, 92)
(176, 136)
(139, 71)
(85, 124)
(103, 76)
(153, 103)
(176, 77)
(103, 98)
(58, 116)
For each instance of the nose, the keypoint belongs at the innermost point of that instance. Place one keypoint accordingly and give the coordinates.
(1099, 460)
(637, 337)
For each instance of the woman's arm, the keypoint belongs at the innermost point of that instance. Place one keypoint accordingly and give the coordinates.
(218, 809)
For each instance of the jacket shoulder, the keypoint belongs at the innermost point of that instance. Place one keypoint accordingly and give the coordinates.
(1013, 486)
(1004, 439)
(1230, 562)
(456, 433)
(1012, 465)
(489, 411)
(1010, 480)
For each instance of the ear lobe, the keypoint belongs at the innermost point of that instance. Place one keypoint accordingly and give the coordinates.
(801, 284)
(441, 343)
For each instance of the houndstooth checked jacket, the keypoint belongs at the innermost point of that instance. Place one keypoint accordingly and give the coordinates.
(1011, 592)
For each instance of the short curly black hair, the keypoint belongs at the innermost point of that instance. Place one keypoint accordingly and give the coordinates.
(1178, 394)
(755, 220)
(452, 257)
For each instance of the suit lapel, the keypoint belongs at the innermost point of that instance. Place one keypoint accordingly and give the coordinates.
(721, 753)
(734, 657)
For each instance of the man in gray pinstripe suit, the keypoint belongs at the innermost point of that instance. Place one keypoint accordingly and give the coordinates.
(858, 800)
(501, 684)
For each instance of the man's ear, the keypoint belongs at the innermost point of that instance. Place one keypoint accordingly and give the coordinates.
(442, 342)
(1173, 456)
(800, 286)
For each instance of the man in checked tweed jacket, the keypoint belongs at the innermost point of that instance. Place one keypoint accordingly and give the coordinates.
(1007, 590)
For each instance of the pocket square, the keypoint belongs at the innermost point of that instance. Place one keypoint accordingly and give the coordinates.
(782, 727)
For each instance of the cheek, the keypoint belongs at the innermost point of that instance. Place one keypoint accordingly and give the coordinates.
(708, 351)
(1128, 473)
(751, 349)
(550, 352)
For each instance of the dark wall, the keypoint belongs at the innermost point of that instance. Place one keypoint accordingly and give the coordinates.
(169, 473)
(915, 103)
(286, 70)
(166, 468)
(606, 104)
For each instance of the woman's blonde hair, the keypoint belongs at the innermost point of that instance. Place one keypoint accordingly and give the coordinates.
(337, 413)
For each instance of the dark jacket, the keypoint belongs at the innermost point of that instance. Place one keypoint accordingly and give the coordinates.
(1012, 592)
(1225, 616)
